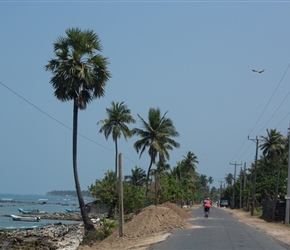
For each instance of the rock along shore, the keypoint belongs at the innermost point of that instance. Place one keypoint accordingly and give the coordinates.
(50, 237)
(57, 236)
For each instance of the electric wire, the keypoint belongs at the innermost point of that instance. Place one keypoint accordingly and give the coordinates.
(270, 99)
(274, 112)
(279, 83)
(61, 123)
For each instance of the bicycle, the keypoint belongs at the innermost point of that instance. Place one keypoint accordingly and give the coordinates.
(206, 212)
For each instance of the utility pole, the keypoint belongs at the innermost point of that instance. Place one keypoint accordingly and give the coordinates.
(245, 182)
(288, 185)
(221, 189)
(236, 164)
(121, 206)
(255, 175)
(241, 178)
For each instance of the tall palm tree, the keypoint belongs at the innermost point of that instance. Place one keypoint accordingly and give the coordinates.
(176, 171)
(189, 163)
(229, 179)
(137, 177)
(210, 181)
(273, 146)
(156, 136)
(79, 74)
(118, 116)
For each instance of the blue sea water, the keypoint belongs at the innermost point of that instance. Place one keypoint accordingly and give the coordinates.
(9, 204)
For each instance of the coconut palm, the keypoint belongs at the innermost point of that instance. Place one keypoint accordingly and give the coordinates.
(273, 146)
(189, 163)
(137, 177)
(118, 116)
(229, 179)
(176, 171)
(210, 181)
(79, 74)
(156, 136)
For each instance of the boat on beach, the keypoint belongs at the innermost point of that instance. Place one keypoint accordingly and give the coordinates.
(31, 211)
(68, 210)
(25, 218)
(73, 209)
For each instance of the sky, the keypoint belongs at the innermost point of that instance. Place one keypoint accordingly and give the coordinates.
(192, 59)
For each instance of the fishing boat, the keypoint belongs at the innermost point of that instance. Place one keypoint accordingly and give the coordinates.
(25, 218)
(68, 210)
(31, 211)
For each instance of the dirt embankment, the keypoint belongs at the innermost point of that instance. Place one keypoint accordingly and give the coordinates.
(151, 225)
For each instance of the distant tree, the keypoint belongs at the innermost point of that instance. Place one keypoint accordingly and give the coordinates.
(229, 179)
(116, 124)
(210, 181)
(189, 162)
(273, 146)
(106, 191)
(156, 136)
(137, 177)
(79, 74)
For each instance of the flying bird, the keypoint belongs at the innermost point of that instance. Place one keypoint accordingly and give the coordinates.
(258, 71)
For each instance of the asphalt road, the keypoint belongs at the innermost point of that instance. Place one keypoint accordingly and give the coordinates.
(219, 231)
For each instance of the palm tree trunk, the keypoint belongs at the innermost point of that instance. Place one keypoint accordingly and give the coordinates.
(276, 193)
(148, 173)
(89, 226)
(116, 160)
(116, 174)
(155, 177)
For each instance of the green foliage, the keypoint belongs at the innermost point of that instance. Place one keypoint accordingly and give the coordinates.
(156, 136)
(133, 198)
(106, 191)
(258, 211)
(104, 231)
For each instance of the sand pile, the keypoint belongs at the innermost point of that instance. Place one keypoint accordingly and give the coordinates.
(152, 220)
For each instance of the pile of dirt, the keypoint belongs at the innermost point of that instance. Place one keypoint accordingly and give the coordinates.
(151, 220)
(181, 212)
(155, 219)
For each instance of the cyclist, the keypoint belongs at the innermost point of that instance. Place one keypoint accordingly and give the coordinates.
(207, 205)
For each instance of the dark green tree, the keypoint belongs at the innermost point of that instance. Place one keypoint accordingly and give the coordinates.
(189, 163)
(273, 147)
(229, 179)
(137, 177)
(79, 74)
(106, 191)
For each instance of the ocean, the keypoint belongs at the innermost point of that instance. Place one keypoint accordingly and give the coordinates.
(9, 204)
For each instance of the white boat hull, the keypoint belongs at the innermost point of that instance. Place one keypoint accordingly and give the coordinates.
(25, 218)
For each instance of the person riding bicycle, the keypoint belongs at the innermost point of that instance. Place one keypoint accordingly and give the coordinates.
(207, 205)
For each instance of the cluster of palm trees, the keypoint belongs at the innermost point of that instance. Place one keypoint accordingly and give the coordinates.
(271, 172)
(155, 138)
(80, 74)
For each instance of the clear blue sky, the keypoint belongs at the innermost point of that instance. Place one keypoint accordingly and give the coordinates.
(193, 59)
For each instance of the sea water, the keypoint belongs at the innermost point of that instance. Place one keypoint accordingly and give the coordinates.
(9, 204)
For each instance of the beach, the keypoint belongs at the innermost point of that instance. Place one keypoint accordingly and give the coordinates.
(10, 204)
(56, 228)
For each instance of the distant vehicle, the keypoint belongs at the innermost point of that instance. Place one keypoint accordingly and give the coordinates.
(223, 202)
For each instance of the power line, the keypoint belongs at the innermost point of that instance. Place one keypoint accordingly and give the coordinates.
(270, 99)
(279, 83)
(51, 117)
(61, 123)
(275, 112)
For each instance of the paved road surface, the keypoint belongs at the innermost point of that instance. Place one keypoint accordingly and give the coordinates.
(219, 231)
